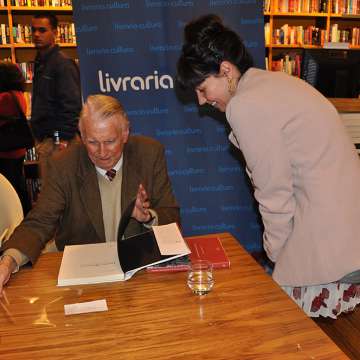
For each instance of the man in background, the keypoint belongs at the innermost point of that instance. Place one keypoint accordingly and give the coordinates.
(91, 184)
(56, 95)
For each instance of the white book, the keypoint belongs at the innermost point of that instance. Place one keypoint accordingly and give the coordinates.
(90, 264)
(336, 45)
(3, 33)
(119, 261)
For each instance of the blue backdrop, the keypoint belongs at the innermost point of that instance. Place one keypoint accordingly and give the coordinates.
(129, 49)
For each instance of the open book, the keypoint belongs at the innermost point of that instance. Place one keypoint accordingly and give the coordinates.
(111, 261)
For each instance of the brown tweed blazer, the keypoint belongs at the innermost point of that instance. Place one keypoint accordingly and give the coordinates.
(69, 206)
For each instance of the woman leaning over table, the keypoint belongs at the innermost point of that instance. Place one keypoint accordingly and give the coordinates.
(304, 169)
(12, 83)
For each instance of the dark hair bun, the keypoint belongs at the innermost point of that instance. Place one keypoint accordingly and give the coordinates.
(207, 43)
(203, 29)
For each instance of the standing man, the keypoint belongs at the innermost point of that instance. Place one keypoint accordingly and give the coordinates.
(56, 97)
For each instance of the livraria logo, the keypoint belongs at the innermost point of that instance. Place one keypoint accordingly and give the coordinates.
(155, 81)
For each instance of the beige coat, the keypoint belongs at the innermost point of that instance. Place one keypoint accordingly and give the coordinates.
(306, 176)
(70, 203)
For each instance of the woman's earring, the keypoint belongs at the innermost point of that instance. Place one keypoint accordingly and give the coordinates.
(231, 86)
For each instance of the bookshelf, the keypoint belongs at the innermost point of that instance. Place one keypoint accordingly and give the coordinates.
(16, 46)
(15, 33)
(294, 25)
(15, 20)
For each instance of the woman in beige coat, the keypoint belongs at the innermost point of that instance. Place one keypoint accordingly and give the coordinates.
(304, 169)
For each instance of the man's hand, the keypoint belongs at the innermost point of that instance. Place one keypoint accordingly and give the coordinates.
(7, 266)
(142, 204)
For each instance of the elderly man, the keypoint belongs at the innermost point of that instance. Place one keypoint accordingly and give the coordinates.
(90, 184)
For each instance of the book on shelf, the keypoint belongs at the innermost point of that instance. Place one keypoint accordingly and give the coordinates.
(119, 261)
(336, 45)
(31, 3)
(202, 248)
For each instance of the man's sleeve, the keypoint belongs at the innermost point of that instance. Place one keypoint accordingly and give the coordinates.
(68, 98)
(41, 222)
(18, 256)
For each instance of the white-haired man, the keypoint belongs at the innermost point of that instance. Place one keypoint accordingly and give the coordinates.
(91, 184)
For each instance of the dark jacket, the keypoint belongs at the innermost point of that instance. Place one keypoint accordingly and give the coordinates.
(56, 99)
(69, 206)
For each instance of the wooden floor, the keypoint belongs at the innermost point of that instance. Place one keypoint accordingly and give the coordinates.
(345, 332)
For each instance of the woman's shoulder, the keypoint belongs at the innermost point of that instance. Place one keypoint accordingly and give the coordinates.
(7, 104)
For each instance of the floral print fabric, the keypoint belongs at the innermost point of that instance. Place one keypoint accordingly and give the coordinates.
(327, 300)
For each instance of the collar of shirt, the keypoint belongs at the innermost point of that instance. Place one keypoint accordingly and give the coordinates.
(41, 58)
(117, 167)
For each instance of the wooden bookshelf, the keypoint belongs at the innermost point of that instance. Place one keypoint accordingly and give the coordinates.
(42, 8)
(24, 54)
(11, 15)
(26, 46)
(276, 18)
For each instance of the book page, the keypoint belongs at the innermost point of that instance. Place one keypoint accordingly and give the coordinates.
(90, 264)
(170, 240)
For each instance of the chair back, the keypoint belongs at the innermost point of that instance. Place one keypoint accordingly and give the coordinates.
(11, 212)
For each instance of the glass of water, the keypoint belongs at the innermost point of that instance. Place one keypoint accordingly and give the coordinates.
(200, 277)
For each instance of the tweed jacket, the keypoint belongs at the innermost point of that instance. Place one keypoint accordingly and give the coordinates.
(69, 206)
(306, 176)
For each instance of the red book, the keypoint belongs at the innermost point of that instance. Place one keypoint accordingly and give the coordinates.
(210, 249)
(206, 248)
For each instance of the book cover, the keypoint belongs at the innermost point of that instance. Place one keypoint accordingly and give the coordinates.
(90, 264)
(119, 261)
(210, 249)
(206, 248)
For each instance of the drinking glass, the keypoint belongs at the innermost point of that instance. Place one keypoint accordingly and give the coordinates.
(200, 277)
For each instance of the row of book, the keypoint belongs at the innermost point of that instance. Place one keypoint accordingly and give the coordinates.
(288, 63)
(311, 35)
(296, 6)
(39, 2)
(346, 7)
(295, 35)
(350, 36)
(22, 34)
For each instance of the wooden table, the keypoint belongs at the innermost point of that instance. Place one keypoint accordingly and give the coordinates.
(155, 316)
(346, 105)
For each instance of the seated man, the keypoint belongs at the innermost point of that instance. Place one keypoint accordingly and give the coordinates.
(91, 184)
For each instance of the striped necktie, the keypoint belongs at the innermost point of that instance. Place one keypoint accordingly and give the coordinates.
(111, 174)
